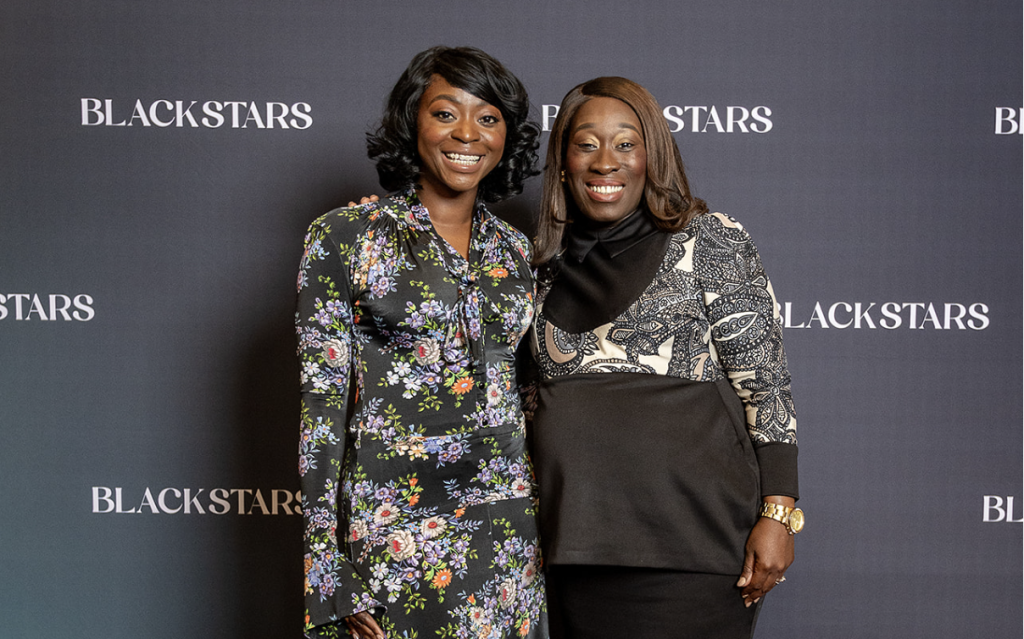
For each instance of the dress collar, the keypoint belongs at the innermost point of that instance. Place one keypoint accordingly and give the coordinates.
(617, 238)
(419, 218)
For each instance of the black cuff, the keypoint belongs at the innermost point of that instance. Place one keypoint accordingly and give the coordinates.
(777, 462)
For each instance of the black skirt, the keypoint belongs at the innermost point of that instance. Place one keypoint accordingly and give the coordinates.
(600, 602)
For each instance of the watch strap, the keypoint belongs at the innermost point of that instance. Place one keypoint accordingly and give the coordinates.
(779, 513)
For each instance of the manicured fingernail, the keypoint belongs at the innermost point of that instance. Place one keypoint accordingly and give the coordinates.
(747, 603)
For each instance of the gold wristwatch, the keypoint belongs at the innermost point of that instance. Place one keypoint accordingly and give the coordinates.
(791, 518)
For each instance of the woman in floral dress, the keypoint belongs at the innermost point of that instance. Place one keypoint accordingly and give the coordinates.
(417, 491)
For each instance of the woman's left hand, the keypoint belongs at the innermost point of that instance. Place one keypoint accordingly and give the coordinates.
(769, 552)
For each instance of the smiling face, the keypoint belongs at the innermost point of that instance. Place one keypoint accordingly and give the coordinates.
(606, 160)
(460, 139)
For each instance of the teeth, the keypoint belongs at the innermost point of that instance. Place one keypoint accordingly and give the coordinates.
(465, 160)
(606, 190)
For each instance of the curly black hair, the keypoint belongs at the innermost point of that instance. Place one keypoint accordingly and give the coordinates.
(393, 146)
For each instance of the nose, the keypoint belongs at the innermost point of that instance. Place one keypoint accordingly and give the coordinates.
(605, 161)
(466, 131)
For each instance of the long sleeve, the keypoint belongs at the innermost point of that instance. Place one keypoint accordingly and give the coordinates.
(326, 349)
(746, 334)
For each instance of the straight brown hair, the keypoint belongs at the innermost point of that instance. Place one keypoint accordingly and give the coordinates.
(667, 195)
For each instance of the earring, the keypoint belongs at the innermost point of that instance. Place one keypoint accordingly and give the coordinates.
(563, 175)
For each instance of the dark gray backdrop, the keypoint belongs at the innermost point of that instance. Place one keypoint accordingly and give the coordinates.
(891, 173)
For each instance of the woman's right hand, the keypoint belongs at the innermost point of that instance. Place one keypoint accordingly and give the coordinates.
(365, 200)
(362, 625)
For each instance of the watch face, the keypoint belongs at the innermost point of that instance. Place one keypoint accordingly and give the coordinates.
(796, 520)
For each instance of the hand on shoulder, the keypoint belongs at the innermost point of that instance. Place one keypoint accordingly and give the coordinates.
(365, 200)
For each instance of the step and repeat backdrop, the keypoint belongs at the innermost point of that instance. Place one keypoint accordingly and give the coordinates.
(159, 163)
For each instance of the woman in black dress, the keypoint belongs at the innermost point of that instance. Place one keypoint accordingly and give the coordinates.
(416, 489)
(664, 430)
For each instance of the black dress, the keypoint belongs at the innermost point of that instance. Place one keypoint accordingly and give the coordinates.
(663, 415)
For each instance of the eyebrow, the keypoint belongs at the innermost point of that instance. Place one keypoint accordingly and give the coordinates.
(445, 96)
(590, 125)
(451, 98)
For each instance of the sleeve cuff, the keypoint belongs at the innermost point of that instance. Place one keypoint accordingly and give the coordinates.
(778, 467)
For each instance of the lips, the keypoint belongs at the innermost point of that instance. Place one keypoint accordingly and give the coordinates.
(605, 192)
(461, 159)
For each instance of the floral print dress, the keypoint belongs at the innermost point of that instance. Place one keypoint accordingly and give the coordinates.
(416, 487)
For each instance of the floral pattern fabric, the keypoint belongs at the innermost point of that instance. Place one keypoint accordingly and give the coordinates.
(418, 494)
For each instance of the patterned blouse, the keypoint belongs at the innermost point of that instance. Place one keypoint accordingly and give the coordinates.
(709, 314)
(411, 421)
(657, 433)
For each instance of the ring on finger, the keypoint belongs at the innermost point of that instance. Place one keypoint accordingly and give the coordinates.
(780, 580)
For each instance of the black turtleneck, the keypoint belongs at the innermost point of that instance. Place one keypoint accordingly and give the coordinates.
(604, 269)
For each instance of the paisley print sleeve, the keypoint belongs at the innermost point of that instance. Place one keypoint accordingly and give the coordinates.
(324, 327)
(746, 330)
